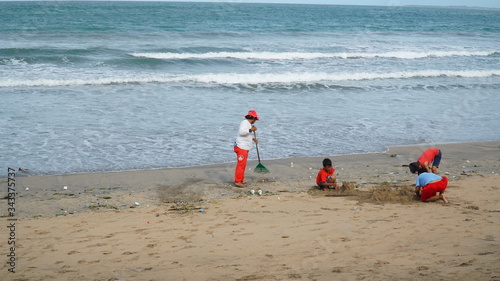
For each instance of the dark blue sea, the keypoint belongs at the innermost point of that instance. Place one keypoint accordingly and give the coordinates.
(110, 86)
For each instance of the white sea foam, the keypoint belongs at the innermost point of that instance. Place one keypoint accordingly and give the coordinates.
(13, 62)
(318, 77)
(307, 56)
(252, 78)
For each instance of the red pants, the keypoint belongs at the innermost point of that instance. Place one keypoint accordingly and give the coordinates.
(433, 188)
(241, 157)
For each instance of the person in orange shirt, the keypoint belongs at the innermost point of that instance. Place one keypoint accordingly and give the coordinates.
(325, 177)
(429, 160)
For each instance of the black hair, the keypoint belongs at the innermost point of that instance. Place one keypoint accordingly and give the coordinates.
(414, 167)
(327, 162)
(249, 117)
(422, 170)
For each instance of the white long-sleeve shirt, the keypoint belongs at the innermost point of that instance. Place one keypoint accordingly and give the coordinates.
(245, 138)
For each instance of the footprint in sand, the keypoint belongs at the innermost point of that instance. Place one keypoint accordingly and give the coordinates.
(97, 245)
(337, 270)
(422, 267)
(469, 263)
(88, 262)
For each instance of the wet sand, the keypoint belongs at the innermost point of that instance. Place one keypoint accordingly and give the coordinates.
(193, 224)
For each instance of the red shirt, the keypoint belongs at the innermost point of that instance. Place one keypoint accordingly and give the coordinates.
(428, 156)
(323, 175)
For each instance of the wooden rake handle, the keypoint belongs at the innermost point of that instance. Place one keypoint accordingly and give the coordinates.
(256, 145)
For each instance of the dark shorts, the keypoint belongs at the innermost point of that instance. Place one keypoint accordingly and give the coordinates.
(437, 160)
(321, 186)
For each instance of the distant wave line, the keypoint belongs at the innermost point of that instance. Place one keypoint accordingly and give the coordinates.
(306, 56)
(252, 79)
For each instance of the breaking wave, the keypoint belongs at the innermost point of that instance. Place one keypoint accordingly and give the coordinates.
(251, 79)
(306, 56)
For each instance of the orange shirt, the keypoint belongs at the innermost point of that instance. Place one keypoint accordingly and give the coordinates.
(428, 156)
(323, 175)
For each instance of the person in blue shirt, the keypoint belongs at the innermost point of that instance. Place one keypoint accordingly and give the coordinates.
(430, 187)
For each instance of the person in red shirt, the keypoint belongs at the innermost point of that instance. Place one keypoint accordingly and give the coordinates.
(430, 158)
(325, 177)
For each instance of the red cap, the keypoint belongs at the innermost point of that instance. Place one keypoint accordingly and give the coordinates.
(253, 113)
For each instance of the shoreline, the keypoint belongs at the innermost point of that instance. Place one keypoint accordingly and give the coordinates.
(434, 144)
(26, 174)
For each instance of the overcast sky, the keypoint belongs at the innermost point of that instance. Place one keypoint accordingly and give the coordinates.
(470, 3)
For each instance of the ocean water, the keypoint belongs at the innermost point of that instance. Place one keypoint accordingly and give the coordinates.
(110, 86)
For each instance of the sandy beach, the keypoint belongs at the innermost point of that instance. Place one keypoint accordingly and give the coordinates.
(193, 224)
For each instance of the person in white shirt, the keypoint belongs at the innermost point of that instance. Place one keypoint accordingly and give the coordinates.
(242, 146)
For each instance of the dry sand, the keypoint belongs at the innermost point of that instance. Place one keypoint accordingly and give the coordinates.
(192, 224)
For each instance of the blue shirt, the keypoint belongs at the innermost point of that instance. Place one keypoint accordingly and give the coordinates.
(425, 178)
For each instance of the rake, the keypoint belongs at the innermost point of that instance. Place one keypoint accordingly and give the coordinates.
(260, 167)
